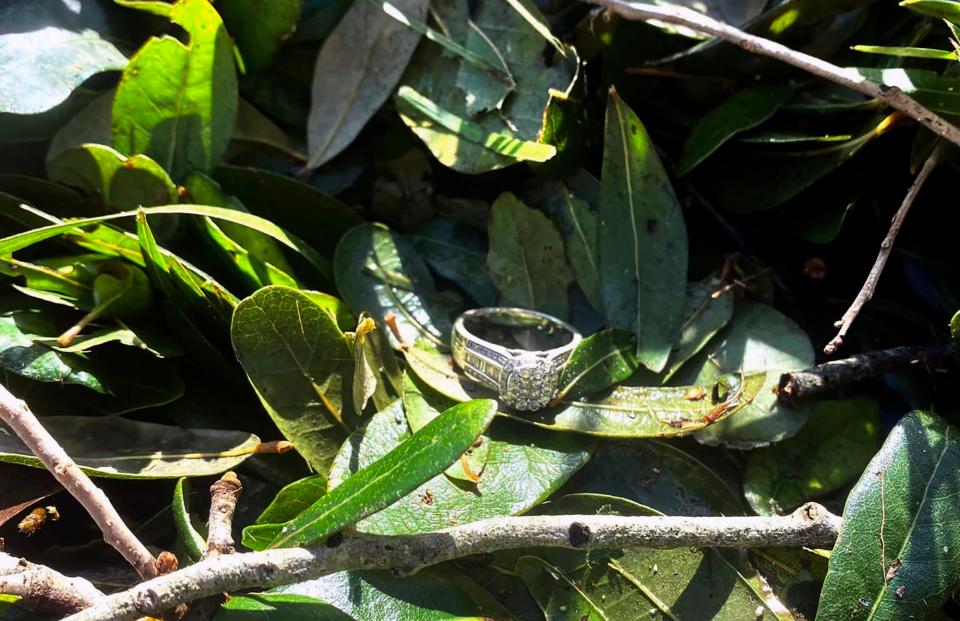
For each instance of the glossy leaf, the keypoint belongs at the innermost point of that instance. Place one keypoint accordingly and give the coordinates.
(895, 556)
(526, 258)
(600, 361)
(908, 52)
(301, 366)
(177, 102)
(193, 541)
(831, 450)
(458, 253)
(258, 33)
(117, 448)
(557, 595)
(348, 88)
(39, 69)
(741, 111)
(380, 483)
(705, 315)
(277, 606)
(944, 9)
(294, 499)
(642, 239)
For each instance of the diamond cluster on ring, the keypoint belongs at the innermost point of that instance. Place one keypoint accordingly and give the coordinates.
(529, 383)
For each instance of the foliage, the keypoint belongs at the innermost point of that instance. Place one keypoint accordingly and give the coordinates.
(223, 224)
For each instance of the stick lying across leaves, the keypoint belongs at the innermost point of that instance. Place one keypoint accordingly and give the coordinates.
(44, 590)
(811, 526)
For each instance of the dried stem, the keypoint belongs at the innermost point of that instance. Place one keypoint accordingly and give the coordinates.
(811, 525)
(22, 422)
(44, 590)
(889, 95)
(813, 382)
(223, 502)
(886, 246)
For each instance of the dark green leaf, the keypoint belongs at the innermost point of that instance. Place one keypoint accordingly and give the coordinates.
(294, 499)
(277, 607)
(642, 239)
(600, 361)
(113, 447)
(955, 329)
(40, 69)
(458, 253)
(937, 92)
(301, 366)
(831, 450)
(895, 557)
(526, 258)
(257, 32)
(193, 541)
(557, 595)
(705, 316)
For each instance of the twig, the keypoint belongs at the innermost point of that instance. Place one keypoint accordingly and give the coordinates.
(44, 590)
(811, 525)
(808, 383)
(886, 246)
(22, 422)
(890, 95)
(223, 502)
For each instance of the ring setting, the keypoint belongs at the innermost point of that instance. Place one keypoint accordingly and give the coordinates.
(517, 352)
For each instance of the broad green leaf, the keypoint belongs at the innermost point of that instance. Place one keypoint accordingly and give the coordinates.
(895, 556)
(758, 338)
(440, 88)
(831, 450)
(741, 111)
(193, 541)
(642, 239)
(908, 52)
(177, 102)
(380, 483)
(458, 253)
(704, 315)
(380, 272)
(294, 499)
(113, 447)
(944, 9)
(122, 182)
(39, 69)
(349, 87)
(524, 466)
(277, 607)
(557, 595)
(258, 33)
(526, 258)
(301, 366)
(600, 361)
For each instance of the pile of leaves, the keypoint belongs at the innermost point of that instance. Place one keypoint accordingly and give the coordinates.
(226, 224)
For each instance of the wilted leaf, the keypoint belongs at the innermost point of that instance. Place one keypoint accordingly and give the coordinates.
(257, 30)
(376, 372)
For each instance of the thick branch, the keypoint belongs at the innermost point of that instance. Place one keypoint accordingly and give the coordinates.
(891, 96)
(223, 502)
(886, 247)
(811, 525)
(813, 382)
(44, 590)
(22, 422)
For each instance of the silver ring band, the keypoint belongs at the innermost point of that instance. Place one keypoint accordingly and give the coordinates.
(517, 352)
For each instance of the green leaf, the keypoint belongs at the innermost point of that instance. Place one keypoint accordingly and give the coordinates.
(540, 460)
(301, 366)
(832, 449)
(908, 52)
(175, 102)
(117, 448)
(944, 9)
(955, 329)
(739, 112)
(293, 500)
(895, 556)
(39, 69)
(349, 87)
(705, 316)
(441, 89)
(937, 92)
(380, 272)
(381, 483)
(600, 361)
(642, 239)
(122, 182)
(758, 338)
(258, 33)
(458, 253)
(193, 541)
(277, 607)
(526, 258)
(558, 596)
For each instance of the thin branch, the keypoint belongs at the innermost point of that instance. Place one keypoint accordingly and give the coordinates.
(44, 590)
(223, 502)
(22, 422)
(886, 246)
(811, 525)
(890, 95)
(813, 382)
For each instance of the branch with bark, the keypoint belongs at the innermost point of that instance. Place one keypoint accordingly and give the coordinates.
(44, 590)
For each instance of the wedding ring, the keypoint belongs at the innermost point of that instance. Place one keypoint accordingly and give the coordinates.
(519, 353)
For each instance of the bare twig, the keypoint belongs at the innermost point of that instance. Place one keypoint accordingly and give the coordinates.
(808, 383)
(886, 246)
(891, 96)
(44, 590)
(22, 422)
(811, 525)
(223, 502)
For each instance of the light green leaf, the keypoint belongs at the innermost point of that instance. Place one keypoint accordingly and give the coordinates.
(39, 69)
(558, 596)
(301, 366)
(278, 607)
(895, 556)
(944, 9)
(294, 499)
(642, 239)
(937, 92)
(955, 329)
(175, 102)
(705, 316)
(114, 447)
(193, 541)
(259, 31)
(526, 258)
(602, 360)
(349, 87)
(908, 52)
